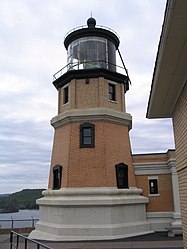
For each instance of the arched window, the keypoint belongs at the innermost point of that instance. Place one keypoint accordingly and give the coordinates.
(57, 176)
(122, 175)
(87, 135)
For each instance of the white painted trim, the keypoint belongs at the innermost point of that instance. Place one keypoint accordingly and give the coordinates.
(156, 168)
(152, 177)
(91, 196)
(92, 191)
(172, 165)
(154, 195)
(92, 114)
(163, 215)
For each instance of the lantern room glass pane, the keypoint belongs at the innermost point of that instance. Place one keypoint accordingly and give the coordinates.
(90, 52)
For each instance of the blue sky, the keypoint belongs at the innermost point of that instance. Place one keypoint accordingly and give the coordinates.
(31, 51)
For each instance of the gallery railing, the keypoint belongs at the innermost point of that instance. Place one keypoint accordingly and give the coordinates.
(89, 65)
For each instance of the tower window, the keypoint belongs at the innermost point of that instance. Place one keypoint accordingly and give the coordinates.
(66, 94)
(112, 92)
(153, 186)
(87, 135)
(57, 176)
(122, 175)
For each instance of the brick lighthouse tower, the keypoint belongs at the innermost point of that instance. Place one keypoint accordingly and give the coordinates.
(92, 192)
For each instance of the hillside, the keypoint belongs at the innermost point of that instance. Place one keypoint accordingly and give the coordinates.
(25, 199)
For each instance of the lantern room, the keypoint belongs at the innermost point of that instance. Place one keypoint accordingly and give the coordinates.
(91, 47)
(91, 53)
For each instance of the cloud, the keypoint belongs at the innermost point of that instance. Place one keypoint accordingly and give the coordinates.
(25, 154)
(151, 136)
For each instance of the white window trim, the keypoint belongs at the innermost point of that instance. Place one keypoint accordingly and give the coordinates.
(153, 178)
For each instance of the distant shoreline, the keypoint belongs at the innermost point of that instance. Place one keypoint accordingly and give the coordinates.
(3, 211)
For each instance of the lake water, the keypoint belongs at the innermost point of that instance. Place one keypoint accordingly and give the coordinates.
(29, 215)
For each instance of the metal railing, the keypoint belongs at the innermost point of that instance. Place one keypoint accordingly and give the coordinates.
(19, 241)
(97, 26)
(29, 222)
(88, 65)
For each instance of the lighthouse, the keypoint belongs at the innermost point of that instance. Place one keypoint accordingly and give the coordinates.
(92, 193)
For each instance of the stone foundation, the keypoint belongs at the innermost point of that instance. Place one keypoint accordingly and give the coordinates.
(91, 214)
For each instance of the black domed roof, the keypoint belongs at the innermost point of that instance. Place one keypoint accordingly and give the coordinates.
(91, 22)
(91, 30)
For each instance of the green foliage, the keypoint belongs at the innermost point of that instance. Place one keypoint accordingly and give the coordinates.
(25, 199)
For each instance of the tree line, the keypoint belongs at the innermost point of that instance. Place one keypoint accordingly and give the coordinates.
(25, 199)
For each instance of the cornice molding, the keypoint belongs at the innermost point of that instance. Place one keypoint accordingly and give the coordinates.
(156, 168)
(92, 114)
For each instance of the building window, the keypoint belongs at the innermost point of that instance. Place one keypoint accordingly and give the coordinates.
(57, 176)
(87, 135)
(153, 186)
(112, 92)
(66, 94)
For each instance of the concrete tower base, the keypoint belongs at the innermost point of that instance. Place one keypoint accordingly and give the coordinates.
(91, 214)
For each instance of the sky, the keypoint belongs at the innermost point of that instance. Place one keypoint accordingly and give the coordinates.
(31, 51)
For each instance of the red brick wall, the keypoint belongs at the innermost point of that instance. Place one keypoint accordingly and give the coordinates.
(92, 167)
(164, 201)
(60, 152)
(92, 95)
